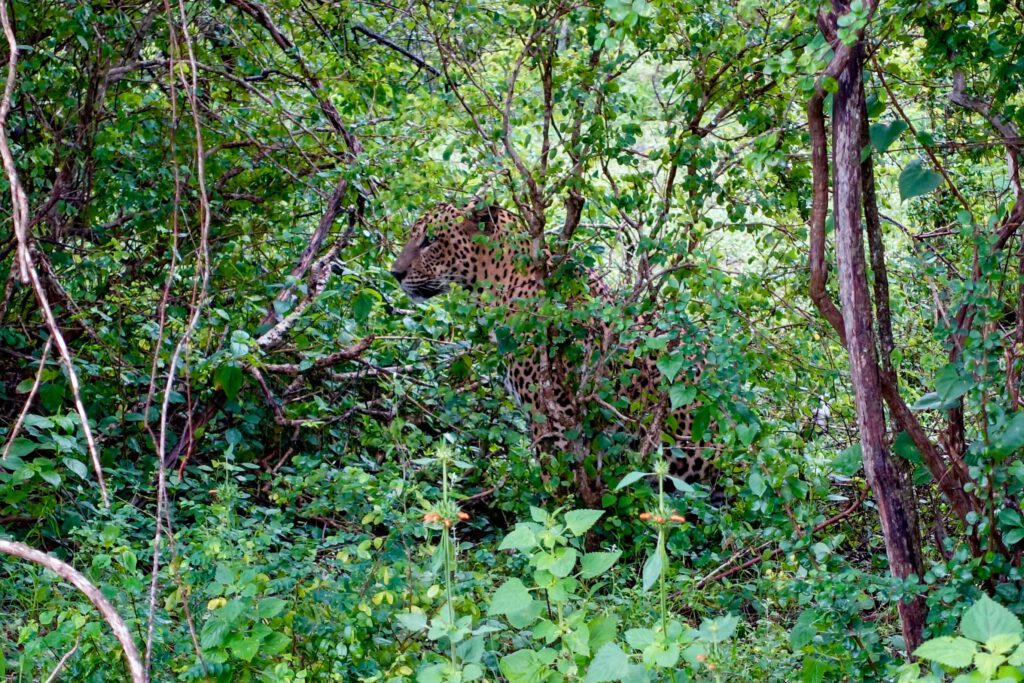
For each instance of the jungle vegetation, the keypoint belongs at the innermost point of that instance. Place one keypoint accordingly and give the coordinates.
(234, 450)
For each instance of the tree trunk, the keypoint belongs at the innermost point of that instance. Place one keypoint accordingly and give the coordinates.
(898, 518)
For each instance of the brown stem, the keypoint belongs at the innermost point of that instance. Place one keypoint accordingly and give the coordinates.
(895, 509)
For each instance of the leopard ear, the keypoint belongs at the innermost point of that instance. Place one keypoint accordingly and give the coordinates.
(484, 218)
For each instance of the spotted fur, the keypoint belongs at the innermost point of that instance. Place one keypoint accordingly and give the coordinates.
(481, 249)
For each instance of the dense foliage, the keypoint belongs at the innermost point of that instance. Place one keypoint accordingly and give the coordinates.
(310, 478)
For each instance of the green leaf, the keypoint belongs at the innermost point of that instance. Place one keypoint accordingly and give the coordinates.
(757, 484)
(932, 401)
(269, 608)
(523, 537)
(580, 521)
(747, 433)
(76, 466)
(1003, 643)
(559, 562)
(916, 180)
(412, 621)
(653, 567)
(804, 629)
(813, 670)
(362, 305)
(50, 477)
(596, 564)
(1012, 437)
(951, 385)
(905, 447)
(882, 136)
(524, 666)
(954, 652)
(630, 478)
(511, 597)
(609, 664)
(245, 648)
(21, 447)
(987, 618)
(719, 629)
(849, 460)
(228, 379)
(671, 365)
(681, 395)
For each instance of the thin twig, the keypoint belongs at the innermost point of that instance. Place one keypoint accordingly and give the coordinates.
(28, 401)
(63, 661)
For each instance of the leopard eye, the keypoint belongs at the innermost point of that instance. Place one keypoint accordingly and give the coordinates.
(427, 241)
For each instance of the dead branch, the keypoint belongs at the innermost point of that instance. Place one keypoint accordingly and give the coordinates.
(353, 351)
(722, 571)
(313, 247)
(320, 273)
(94, 595)
(387, 42)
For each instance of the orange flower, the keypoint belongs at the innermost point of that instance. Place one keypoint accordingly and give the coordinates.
(431, 517)
(644, 516)
(677, 518)
(463, 516)
(701, 657)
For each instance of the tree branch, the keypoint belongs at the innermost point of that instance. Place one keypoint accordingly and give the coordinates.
(102, 605)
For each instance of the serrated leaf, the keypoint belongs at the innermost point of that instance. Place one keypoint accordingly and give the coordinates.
(580, 521)
(596, 564)
(511, 597)
(610, 663)
(987, 618)
(951, 651)
(524, 666)
(559, 562)
(719, 629)
(804, 629)
(813, 669)
(523, 537)
(916, 180)
(1003, 643)
(245, 648)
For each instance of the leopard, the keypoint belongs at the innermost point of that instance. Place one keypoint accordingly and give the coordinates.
(485, 250)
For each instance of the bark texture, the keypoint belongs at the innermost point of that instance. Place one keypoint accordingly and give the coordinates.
(896, 510)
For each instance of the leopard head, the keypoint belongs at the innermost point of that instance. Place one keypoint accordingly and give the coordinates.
(441, 251)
